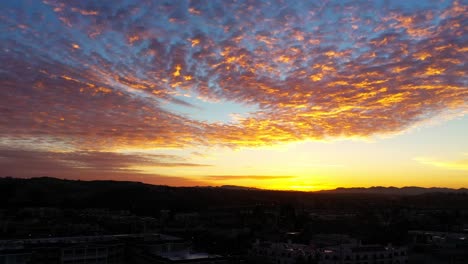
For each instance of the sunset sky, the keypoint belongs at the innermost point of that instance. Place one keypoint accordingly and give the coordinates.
(302, 95)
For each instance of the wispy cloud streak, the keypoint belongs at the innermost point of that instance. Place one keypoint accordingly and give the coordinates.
(461, 164)
(92, 165)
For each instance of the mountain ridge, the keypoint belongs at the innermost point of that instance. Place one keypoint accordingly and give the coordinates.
(405, 190)
(147, 199)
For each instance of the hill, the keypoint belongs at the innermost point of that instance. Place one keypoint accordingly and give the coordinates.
(411, 190)
(149, 199)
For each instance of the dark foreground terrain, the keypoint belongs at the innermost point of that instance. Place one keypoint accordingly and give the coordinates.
(233, 224)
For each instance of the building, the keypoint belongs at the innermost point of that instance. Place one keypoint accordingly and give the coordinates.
(12, 256)
(107, 249)
(345, 253)
(431, 247)
(362, 254)
(170, 249)
(64, 250)
(280, 253)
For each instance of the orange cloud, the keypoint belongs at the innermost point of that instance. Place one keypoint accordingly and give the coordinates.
(303, 78)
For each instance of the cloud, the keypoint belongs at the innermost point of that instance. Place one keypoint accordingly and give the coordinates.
(92, 165)
(99, 76)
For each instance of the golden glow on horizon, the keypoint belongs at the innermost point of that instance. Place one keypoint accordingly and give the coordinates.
(310, 166)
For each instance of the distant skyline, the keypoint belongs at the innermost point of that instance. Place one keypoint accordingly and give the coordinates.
(302, 95)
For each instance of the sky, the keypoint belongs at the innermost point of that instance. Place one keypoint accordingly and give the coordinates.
(287, 95)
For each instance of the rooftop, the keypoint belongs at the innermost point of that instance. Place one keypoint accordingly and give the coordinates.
(186, 255)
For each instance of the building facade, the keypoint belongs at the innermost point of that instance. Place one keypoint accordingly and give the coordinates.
(110, 249)
(347, 253)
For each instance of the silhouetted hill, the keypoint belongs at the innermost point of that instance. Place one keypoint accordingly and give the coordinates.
(149, 199)
(235, 187)
(411, 190)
